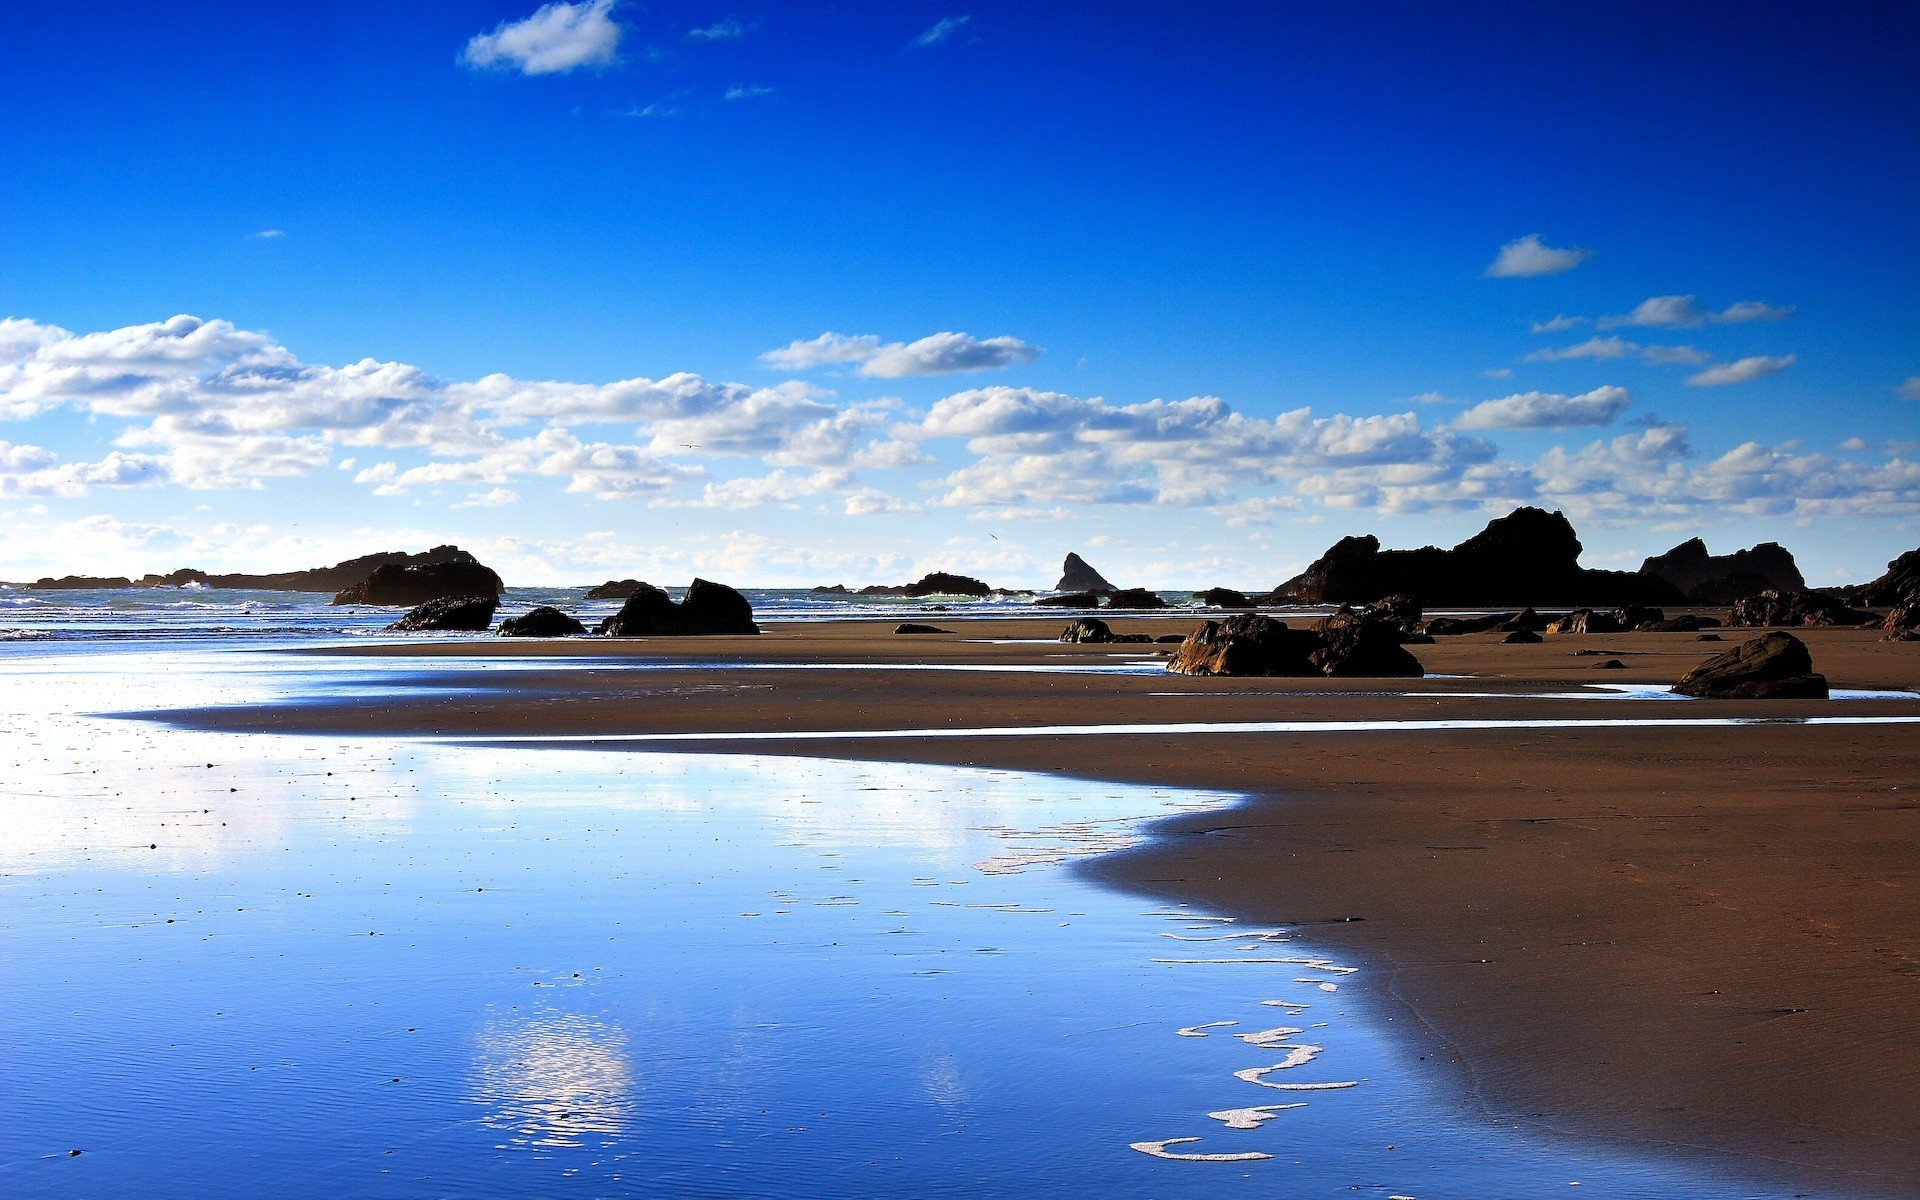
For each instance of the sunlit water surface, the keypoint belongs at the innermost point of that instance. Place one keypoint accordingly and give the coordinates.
(245, 966)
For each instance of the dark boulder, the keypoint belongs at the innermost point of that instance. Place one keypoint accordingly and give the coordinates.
(1077, 576)
(940, 583)
(1586, 620)
(1526, 557)
(78, 583)
(1610, 664)
(1455, 626)
(837, 589)
(1709, 637)
(615, 589)
(1639, 616)
(1730, 588)
(1688, 623)
(1774, 666)
(1248, 644)
(466, 614)
(708, 608)
(1900, 584)
(1223, 597)
(1137, 639)
(914, 627)
(1173, 639)
(1527, 621)
(1797, 608)
(1522, 637)
(1069, 600)
(1087, 629)
(1135, 598)
(395, 584)
(1688, 566)
(1365, 642)
(545, 621)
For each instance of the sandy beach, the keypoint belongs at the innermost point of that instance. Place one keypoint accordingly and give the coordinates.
(1699, 938)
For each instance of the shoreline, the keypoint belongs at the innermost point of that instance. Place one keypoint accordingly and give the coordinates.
(1697, 941)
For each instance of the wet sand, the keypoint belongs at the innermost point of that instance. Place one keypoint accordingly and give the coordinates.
(1698, 940)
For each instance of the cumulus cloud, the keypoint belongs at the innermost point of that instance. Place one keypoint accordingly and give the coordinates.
(493, 499)
(1529, 257)
(748, 91)
(935, 354)
(557, 38)
(1742, 371)
(1547, 410)
(35, 471)
(940, 31)
(1684, 356)
(1598, 347)
(1686, 312)
(782, 487)
(730, 29)
(1910, 390)
(1558, 324)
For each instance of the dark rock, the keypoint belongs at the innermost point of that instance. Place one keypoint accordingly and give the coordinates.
(1903, 623)
(1688, 623)
(78, 582)
(1586, 620)
(545, 621)
(180, 578)
(1797, 608)
(1522, 637)
(1526, 557)
(1774, 666)
(469, 614)
(1528, 621)
(939, 583)
(1709, 637)
(883, 589)
(1087, 629)
(1730, 588)
(1138, 639)
(1077, 576)
(1170, 638)
(913, 627)
(1688, 565)
(1224, 597)
(1247, 644)
(708, 608)
(838, 589)
(1611, 664)
(615, 589)
(1366, 642)
(1639, 616)
(1418, 639)
(1135, 598)
(1900, 584)
(1069, 600)
(342, 576)
(1455, 626)
(1592, 653)
(396, 584)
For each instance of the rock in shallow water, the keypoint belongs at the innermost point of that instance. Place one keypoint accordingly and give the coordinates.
(709, 608)
(464, 614)
(545, 621)
(1774, 667)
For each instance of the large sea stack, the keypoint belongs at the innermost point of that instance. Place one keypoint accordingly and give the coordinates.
(1528, 557)
(398, 585)
(1688, 566)
(1077, 576)
(1899, 585)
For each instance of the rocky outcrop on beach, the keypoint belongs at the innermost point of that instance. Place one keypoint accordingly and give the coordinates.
(1077, 576)
(1135, 598)
(1689, 566)
(465, 614)
(614, 589)
(1223, 597)
(1069, 600)
(1686, 623)
(1775, 666)
(1900, 584)
(402, 585)
(916, 627)
(836, 589)
(1523, 637)
(78, 583)
(1587, 620)
(1455, 626)
(940, 583)
(1529, 556)
(1087, 629)
(1772, 608)
(1730, 588)
(1246, 644)
(1366, 642)
(1903, 622)
(708, 608)
(545, 621)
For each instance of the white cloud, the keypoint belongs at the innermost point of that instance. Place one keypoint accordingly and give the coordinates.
(748, 91)
(557, 38)
(1498, 372)
(1559, 324)
(730, 29)
(1686, 312)
(1685, 356)
(1854, 444)
(936, 354)
(1910, 390)
(872, 502)
(267, 235)
(940, 31)
(782, 487)
(493, 499)
(1743, 371)
(1598, 347)
(1547, 410)
(36, 471)
(1529, 257)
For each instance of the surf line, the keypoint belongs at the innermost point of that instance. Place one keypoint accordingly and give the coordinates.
(1176, 727)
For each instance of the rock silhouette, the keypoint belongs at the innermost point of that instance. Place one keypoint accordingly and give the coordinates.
(1688, 566)
(1775, 666)
(412, 585)
(1077, 576)
(466, 614)
(709, 608)
(545, 621)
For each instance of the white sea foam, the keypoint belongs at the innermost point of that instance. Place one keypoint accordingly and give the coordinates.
(1159, 1150)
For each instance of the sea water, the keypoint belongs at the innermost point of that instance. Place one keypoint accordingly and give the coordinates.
(276, 965)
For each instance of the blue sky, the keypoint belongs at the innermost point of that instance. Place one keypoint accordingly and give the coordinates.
(1194, 291)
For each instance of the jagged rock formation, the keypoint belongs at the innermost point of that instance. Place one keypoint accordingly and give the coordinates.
(1775, 666)
(1903, 623)
(940, 583)
(400, 585)
(709, 608)
(545, 621)
(1077, 576)
(614, 589)
(465, 614)
(78, 583)
(1350, 643)
(1529, 556)
(1900, 584)
(1689, 566)
(1797, 608)
(838, 589)
(1087, 629)
(319, 579)
(1730, 588)
(1366, 642)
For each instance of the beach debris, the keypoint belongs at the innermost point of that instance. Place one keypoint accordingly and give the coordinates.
(545, 621)
(1610, 664)
(1254, 1117)
(707, 608)
(1775, 666)
(468, 614)
(1159, 1150)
